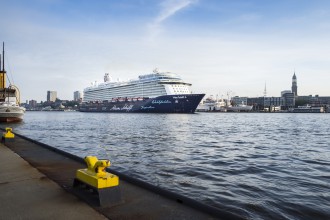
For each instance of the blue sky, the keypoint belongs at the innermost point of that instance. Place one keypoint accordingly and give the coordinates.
(219, 46)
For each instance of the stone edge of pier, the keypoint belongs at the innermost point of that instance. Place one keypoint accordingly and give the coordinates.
(141, 200)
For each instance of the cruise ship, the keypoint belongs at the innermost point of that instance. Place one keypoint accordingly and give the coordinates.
(158, 92)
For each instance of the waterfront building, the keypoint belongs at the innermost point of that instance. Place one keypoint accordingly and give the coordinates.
(77, 96)
(257, 103)
(239, 100)
(32, 104)
(51, 96)
(289, 99)
(268, 103)
(323, 100)
(285, 91)
(316, 100)
(294, 87)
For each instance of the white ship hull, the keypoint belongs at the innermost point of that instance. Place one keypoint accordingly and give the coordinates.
(11, 113)
(212, 105)
(307, 109)
(239, 108)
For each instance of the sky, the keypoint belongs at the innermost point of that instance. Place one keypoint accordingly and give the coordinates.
(221, 47)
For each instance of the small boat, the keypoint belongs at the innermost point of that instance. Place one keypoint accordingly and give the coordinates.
(240, 108)
(212, 105)
(10, 111)
(307, 109)
(47, 108)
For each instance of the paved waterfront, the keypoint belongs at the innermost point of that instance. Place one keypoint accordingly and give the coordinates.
(137, 202)
(28, 194)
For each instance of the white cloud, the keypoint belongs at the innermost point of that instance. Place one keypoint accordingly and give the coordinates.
(168, 8)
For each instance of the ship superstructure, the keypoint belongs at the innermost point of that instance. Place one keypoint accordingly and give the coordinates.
(149, 85)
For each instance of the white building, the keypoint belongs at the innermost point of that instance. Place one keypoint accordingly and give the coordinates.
(77, 96)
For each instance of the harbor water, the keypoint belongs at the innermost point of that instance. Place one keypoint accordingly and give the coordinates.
(256, 165)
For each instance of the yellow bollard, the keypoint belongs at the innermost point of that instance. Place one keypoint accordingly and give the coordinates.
(8, 133)
(95, 177)
(95, 174)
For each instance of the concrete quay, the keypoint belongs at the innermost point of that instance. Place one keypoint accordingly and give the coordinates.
(28, 194)
(36, 183)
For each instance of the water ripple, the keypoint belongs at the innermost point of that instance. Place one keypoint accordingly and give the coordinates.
(259, 166)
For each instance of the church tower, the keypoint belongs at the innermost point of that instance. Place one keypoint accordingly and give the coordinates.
(294, 87)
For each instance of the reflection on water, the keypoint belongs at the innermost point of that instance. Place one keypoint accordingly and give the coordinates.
(261, 166)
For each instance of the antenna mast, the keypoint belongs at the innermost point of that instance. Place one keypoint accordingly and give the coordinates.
(2, 71)
(3, 56)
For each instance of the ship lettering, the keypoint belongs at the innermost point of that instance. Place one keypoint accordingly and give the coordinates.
(115, 108)
(161, 102)
(147, 107)
(180, 97)
(127, 107)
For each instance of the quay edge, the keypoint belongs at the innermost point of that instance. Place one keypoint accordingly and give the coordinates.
(141, 199)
